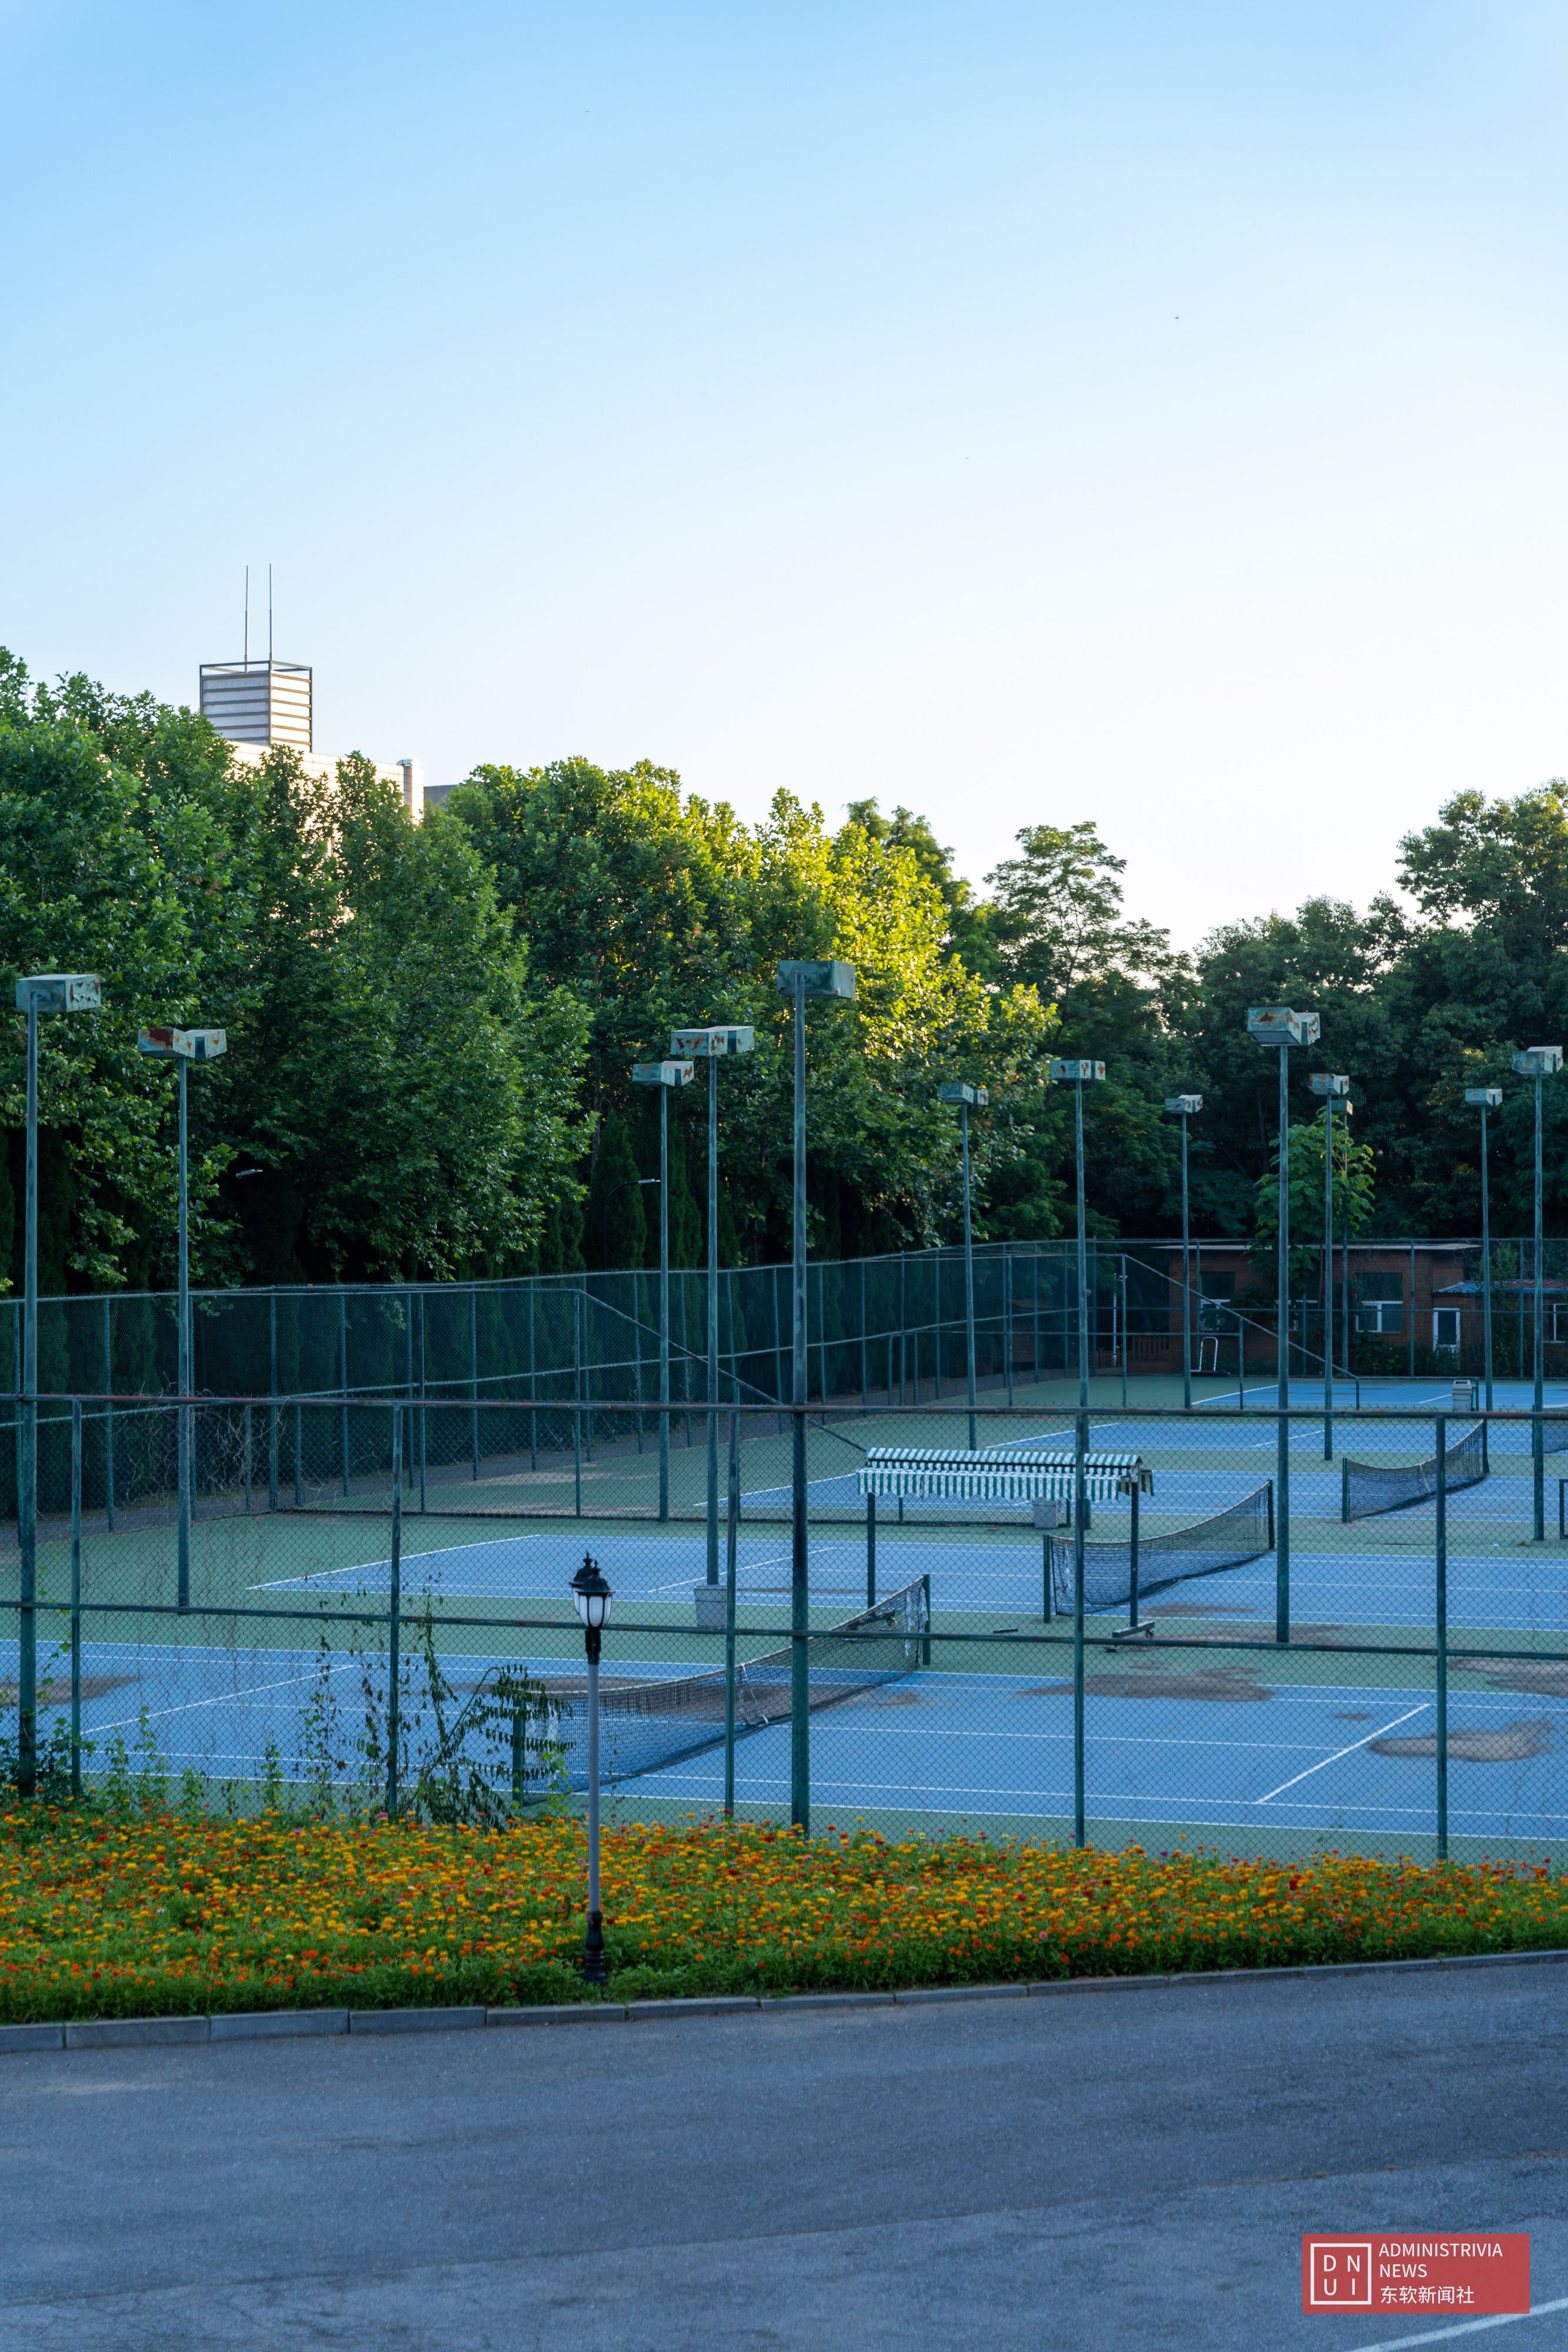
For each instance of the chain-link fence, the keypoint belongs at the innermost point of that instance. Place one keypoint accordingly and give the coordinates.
(1125, 1626)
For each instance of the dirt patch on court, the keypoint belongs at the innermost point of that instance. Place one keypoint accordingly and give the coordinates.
(1509, 1743)
(1158, 1682)
(58, 1693)
(1549, 1679)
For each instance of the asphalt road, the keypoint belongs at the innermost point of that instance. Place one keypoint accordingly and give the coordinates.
(1107, 2170)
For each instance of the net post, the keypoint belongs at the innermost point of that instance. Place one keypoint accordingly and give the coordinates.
(871, 1551)
(1081, 1447)
(925, 1640)
(298, 1468)
(1270, 1514)
(1133, 1579)
(1049, 1566)
(519, 1773)
(249, 1428)
(1344, 1490)
(1441, 1611)
(1486, 1451)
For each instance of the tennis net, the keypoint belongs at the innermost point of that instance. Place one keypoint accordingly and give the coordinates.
(645, 1724)
(1229, 1539)
(1368, 1487)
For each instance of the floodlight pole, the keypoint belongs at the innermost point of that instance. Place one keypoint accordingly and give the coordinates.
(37, 992)
(1184, 1104)
(182, 1592)
(666, 1076)
(1280, 1026)
(1074, 1074)
(800, 980)
(1329, 1084)
(1485, 1099)
(713, 1043)
(1539, 1061)
(953, 1091)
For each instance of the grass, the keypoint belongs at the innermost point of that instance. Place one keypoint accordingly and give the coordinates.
(171, 1914)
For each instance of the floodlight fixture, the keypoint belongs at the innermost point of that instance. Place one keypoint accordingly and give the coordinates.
(59, 992)
(1329, 1086)
(1483, 1097)
(713, 1045)
(954, 1090)
(1539, 1061)
(1077, 1074)
(182, 1044)
(1277, 1025)
(663, 1074)
(817, 979)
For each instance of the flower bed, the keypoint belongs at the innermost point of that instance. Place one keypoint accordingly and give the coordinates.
(161, 1917)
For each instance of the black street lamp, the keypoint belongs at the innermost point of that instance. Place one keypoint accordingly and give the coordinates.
(591, 1598)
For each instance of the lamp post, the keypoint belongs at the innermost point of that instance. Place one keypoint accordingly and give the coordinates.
(1539, 1061)
(183, 1046)
(1331, 1085)
(800, 981)
(1485, 1098)
(1277, 1025)
(36, 992)
(1078, 1073)
(669, 1077)
(591, 1598)
(712, 1045)
(1186, 1105)
(953, 1091)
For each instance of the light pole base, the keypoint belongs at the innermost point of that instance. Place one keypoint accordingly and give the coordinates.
(593, 1968)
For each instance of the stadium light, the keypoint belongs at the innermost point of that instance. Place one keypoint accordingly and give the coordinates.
(802, 980)
(1330, 1087)
(1484, 1100)
(1277, 1025)
(669, 1077)
(712, 1046)
(953, 1090)
(591, 1598)
(1539, 1061)
(1077, 1075)
(1183, 1105)
(36, 992)
(183, 1046)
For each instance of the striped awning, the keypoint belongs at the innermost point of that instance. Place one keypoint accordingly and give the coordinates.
(1001, 1474)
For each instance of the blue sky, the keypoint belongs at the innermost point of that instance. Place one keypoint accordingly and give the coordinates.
(1148, 412)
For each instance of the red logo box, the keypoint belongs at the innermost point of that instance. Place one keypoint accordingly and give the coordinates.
(1483, 2271)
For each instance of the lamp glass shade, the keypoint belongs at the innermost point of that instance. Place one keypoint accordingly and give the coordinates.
(590, 1595)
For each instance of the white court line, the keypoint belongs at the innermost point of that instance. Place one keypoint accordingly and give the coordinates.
(1343, 1751)
(1464, 2327)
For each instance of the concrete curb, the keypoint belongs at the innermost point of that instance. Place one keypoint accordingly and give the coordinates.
(247, 2025)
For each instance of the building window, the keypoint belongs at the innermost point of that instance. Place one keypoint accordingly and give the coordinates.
(1380, 1304)
(1214, 1307)
(1445, 1329)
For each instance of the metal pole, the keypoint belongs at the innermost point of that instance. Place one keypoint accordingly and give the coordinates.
(593, 1967)
(76, 1596)
(1124, 1329)
(1412, 1310)
(1083, 1268)
(343, 1381)
(108, 1418)
(272, 1393)
(1442, 1632)
(871, 1551)
(423, 1408)
(474, 1370)
(27, 1497)
(664, 1303)
(1080, 1498)
(577, 1402)
(968, 1273)
(1008, 1315)
(1486, 1262)
(712, 1318)
(1186, 1284)
(730, 1539)
(1537, 1434)
(799, 1613)
(1283, 1397)
(1133, 1580)
(185, 1430)
(1328, 1278)
(394, 1615)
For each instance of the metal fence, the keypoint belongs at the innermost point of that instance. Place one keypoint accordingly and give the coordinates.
(1375, 1658)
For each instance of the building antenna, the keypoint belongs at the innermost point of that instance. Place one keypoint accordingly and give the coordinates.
(270, 616)
(248, 616)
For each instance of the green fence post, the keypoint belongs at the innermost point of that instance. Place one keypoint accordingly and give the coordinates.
(343, 1379)
(474, 1370)
(394, 1615)
(298, 1440)
(871, 1551)
(1442, 1615)
(1344, 1490)
(108, 1419)
(925, 1642)
(731, 1537)
(272, 1408)
(76, 1596)
(1079, 1499)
